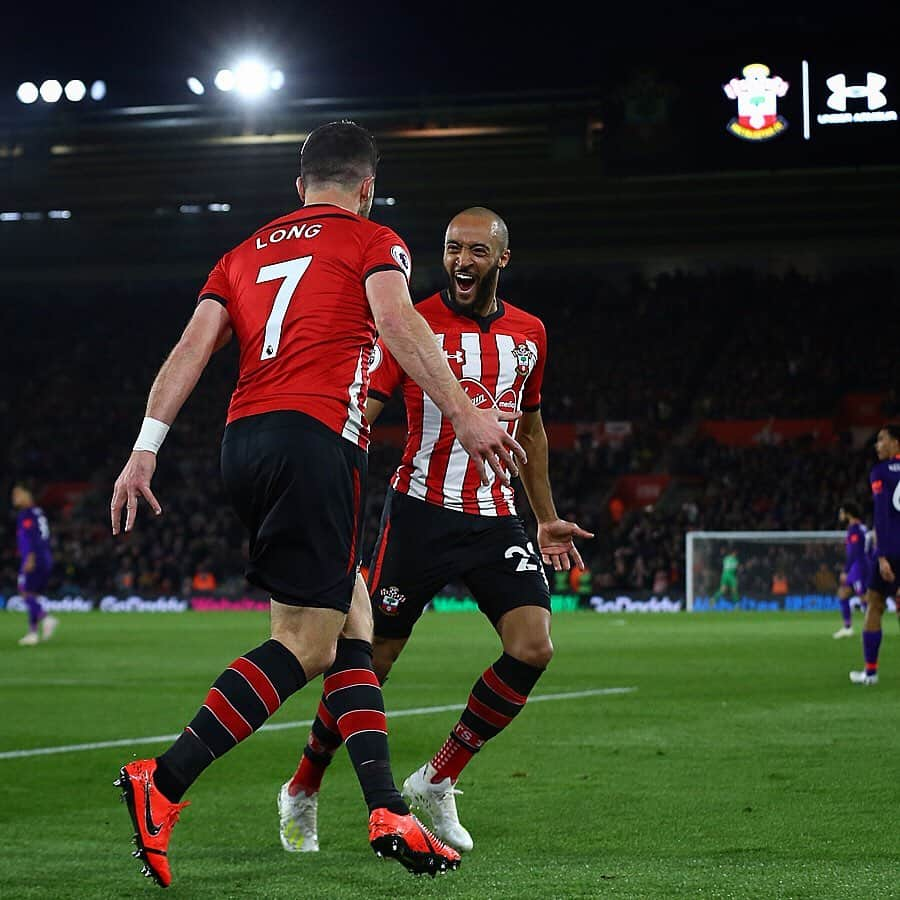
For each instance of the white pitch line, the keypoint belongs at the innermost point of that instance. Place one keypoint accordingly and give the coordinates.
(281, 726)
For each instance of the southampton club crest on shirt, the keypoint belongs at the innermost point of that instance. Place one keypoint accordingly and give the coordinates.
(390, 601)
(757, 96)
(525, 358)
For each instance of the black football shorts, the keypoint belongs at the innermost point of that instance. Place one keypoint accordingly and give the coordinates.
(421, 547)
(299, 490)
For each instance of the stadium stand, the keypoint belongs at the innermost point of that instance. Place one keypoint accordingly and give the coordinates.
(670, 358)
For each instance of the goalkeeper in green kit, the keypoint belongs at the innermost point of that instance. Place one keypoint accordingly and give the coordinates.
(728, 584)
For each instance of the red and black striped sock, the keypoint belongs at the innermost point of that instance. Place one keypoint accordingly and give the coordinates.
(240, 700)
(352, 695)
(496, 699)
(321, 745)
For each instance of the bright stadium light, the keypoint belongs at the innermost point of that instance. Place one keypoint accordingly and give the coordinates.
(27, 92)
(59, 214)
(219, 207)
(224, 80)
(75, 90)
(195, 85)
(10, 217)
(276, 79)
(98, 90)
(250, 78)
(51, 91)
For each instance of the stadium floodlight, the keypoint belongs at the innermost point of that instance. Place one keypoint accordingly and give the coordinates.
(59, 214)
(224, 80)
(98, 90)
(189, 209)
(75, 90)
(10, 216)
(27, 92)
(276, 79)
(51, 91)
(219, 207)
(195, 85)
(251, 78)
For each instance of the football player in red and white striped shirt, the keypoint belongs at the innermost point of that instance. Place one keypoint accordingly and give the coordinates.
(441, 523)
(303, 297)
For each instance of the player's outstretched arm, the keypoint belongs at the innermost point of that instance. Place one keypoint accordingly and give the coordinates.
(207, 331)
(555, 535)
(412, 343)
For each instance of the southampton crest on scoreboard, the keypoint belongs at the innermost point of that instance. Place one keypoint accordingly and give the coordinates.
(757, 96)
(525, 358)
(391, 598)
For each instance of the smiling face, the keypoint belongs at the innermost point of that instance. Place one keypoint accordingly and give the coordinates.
(475, 249)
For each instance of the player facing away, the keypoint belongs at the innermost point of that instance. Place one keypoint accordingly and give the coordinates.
(884, 480)
(855, 575)
(441, 522)
(36, 563)
(303, 296)
(728, 582)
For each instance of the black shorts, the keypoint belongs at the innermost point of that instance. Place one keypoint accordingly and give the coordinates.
(878, 584)
(299, 489)
(421, 547)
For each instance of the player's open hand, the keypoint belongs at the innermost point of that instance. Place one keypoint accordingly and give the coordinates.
(133, 482)
(488, 443)
(557, 544)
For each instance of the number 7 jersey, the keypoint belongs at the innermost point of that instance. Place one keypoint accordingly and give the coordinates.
(295, 292)
(499, 361)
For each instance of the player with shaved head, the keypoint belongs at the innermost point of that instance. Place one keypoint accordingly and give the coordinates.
(441, 522)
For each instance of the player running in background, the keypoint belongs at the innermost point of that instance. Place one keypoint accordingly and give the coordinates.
(884, 479)
(855, 576)
(33, 540)
(303, 296)
(440, 522)
(728, 582)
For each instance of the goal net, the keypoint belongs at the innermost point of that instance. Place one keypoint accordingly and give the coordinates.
(762, 569)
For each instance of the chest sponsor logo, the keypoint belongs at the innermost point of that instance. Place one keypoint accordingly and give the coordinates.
(484, 399)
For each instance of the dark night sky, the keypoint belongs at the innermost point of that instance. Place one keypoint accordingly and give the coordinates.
(368, 49)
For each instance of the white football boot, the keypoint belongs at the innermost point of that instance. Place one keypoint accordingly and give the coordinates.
(842, 633)
(437, 802)
(864, 677)
(29, 640)
(48, 626)
(298, 821)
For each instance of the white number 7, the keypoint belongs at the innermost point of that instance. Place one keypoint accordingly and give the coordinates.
(291, 270)
(896, 497)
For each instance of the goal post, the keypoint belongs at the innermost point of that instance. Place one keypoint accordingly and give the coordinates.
(767, 567)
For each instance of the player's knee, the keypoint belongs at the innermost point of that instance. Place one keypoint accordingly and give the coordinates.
(535, 652)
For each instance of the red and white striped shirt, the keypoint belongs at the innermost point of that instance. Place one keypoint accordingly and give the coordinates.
(295, 292)
(499, 361)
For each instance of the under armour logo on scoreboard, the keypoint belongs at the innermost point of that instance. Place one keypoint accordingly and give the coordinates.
(871, 91)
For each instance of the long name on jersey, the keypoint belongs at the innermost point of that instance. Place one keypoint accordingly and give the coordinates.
(499, 361)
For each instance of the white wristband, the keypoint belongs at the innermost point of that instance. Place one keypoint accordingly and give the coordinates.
(153, 433)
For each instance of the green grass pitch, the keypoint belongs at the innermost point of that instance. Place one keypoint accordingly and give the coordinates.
(743, 765)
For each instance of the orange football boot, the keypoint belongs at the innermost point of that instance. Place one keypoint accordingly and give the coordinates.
(153, 816)
(407, 840)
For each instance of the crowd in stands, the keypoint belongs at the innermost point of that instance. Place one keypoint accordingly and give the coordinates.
(661, 353)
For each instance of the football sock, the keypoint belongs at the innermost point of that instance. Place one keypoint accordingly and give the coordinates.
(35, 611)
(352, 695)
(845, 613)
(324, 739)
(249, 691)
(496, 699)
(871, 644)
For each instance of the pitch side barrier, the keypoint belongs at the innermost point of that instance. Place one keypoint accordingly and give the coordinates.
(613, 602)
